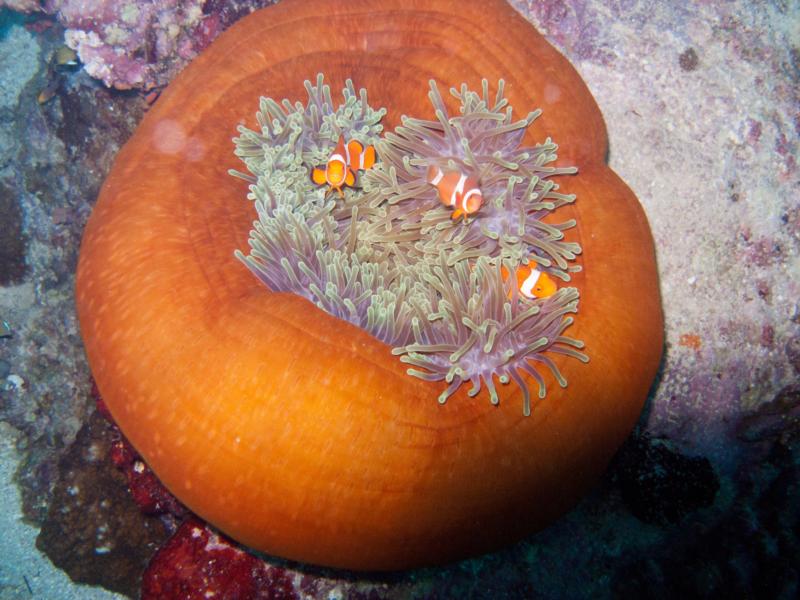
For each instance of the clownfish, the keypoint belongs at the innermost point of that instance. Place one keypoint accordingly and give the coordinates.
(343, 163)
(532, 282)
(457, 190)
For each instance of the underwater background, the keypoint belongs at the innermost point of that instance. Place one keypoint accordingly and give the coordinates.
(701, 104)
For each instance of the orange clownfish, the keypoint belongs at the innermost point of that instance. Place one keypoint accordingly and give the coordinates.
(532, 282)
(457, 190)
(343, 163)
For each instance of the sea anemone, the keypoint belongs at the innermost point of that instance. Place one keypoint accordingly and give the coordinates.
(291, 426)
(389, 259)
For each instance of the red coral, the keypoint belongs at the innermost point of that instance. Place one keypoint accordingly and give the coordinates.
(196, 564)
(100, 404)
(148, 492)
(122, 454)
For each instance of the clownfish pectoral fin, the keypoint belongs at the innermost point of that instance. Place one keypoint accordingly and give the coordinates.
(318, 176)
(369, 158)
(350, 178)
(457, 213)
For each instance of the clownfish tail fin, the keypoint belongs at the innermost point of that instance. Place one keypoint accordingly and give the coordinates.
(354, 149)
(369, 157)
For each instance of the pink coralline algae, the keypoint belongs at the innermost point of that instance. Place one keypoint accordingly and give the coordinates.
(142, 44)
(572, 25)
(134, 44)
(21, 5)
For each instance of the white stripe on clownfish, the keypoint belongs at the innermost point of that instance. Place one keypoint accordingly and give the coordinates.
(529, 283)
(458, 190)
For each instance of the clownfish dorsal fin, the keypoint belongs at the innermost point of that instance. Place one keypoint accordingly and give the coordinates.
(339, 149)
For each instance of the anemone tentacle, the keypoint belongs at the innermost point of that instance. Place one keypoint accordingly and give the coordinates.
(389, 259)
